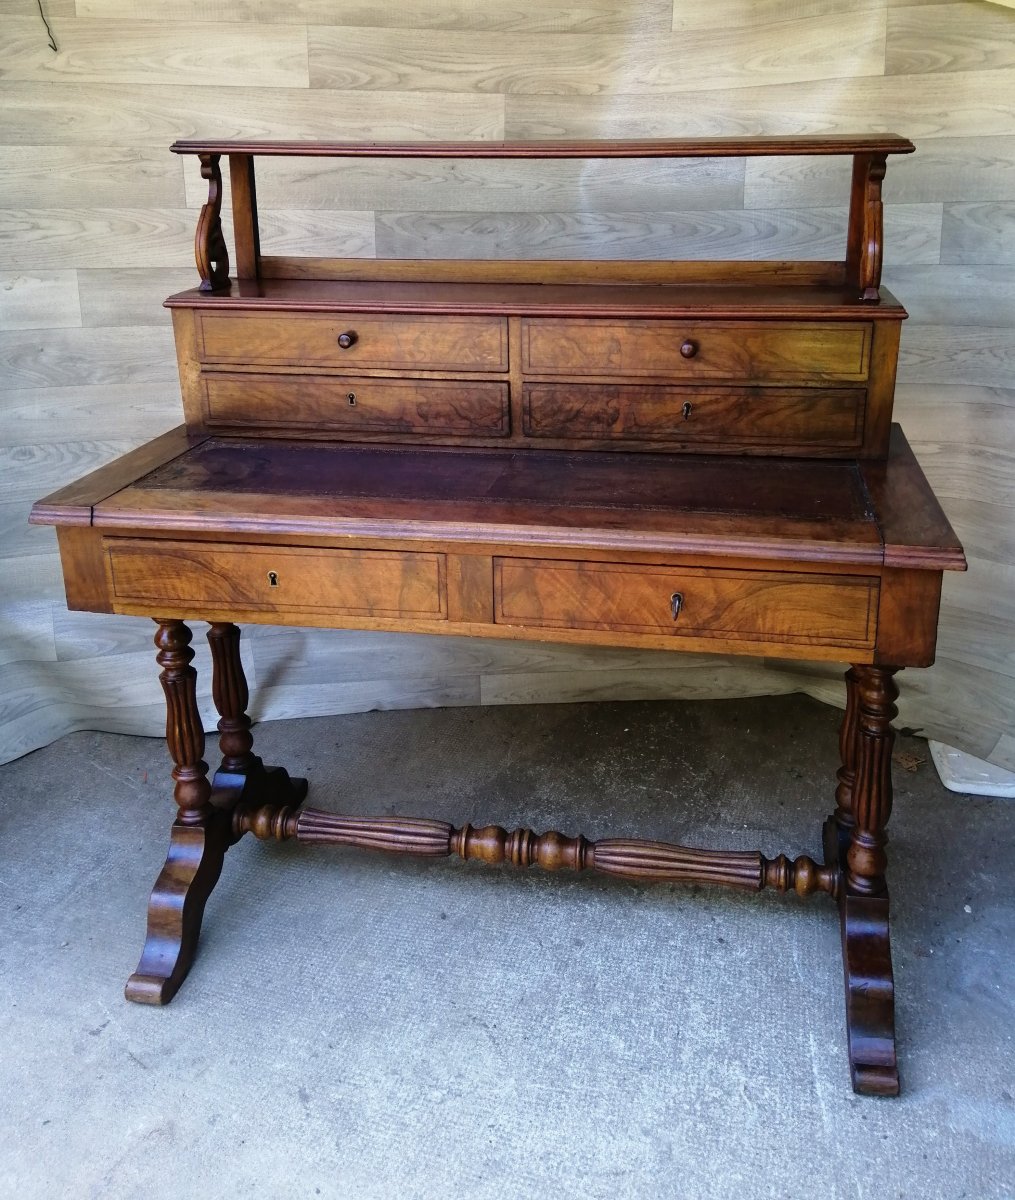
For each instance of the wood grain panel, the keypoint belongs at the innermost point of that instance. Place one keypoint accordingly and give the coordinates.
(975, 295)
(740, 605)
(913, 234)
(39, 300)
(299, 231)
(943, 169)
(725, 15)
(459, 343)
(744, 351)
(92, 51)
(978, 233)
(278, 579)
(715, 417)
(587, 64)
(95, 237)
(629, 185)
(983, 355)
(351, 404)
(949, 37)
(975, 621)
(158, 114)
(738, 68)
(68, 357)
(969, 107)
(493, 16)
(89, 176)
(129, 295)
(36, 416)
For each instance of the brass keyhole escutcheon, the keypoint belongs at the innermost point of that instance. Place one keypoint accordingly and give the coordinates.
(686, 410)
(273, 579)
(676, 604)
(351, 397)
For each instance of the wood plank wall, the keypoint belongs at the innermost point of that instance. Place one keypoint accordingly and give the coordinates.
(97, 221)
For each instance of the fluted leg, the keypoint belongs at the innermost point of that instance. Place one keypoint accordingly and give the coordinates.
(872, 790)
(231, 696)
(846, 776)
(855, 838)
(242, 780)
(199, 838)
(203, 829)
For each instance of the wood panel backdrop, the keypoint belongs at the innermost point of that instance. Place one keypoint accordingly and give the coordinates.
(97, 222)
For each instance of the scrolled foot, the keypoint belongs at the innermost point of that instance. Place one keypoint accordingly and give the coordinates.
(870, 986)
(176, 908)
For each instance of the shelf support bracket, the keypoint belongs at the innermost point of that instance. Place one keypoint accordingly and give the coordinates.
(209, 244)
(865, 242)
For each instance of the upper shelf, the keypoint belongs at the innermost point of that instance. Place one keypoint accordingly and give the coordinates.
(719, 147)
(860, 268)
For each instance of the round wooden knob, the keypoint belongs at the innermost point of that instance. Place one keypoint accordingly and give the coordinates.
(688, 349)
(347, 339)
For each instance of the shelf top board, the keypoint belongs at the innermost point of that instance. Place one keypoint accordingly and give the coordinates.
(717, 147)
(576, 300)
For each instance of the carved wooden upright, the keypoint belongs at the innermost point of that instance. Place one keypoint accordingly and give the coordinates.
(684, 456)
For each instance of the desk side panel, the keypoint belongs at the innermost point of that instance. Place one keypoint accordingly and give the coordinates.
(85, 579)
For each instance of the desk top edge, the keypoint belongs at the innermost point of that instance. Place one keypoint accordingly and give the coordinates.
(914, 531)
(713, 147)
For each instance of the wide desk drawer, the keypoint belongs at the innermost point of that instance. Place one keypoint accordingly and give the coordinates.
(769, 606)
(744, 351)
(354, 404)
(351, 340)
(778, 417)
(358, 583)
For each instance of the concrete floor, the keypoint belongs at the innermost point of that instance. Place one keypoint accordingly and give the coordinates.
(362, 1026)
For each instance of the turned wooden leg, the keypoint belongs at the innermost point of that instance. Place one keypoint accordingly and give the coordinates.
(231, 696)
(200, 834)
(242, 780)
(856, 841)
(846, 777)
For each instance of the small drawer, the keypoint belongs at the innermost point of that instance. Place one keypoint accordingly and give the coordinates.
(358, 583)
(742, 351)
(352, 340)
(769, 606)
(351, 404)
(728, 418)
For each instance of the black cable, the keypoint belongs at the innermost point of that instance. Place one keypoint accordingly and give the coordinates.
(52, 40)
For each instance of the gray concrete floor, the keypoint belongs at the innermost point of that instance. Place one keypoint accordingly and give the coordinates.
(362, 1026)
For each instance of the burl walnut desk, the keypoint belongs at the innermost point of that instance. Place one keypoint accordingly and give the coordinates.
(691, 456)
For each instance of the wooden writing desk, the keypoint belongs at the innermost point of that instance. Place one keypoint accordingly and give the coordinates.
(681, 455)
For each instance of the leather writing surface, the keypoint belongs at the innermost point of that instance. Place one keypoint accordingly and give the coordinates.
(790, 489)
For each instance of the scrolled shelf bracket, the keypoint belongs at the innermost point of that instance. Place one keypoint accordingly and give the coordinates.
(209, 245)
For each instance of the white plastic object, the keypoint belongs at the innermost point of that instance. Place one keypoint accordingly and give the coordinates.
(961, 772)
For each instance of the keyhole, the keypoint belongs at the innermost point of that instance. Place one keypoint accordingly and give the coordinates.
(351, 397)
(686, 409)
(273, 578)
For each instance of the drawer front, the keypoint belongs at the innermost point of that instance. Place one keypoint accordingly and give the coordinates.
(746, 351)
(363, 583)
(351, 404)
(426, 343)
(804, 417)
(767, 606)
